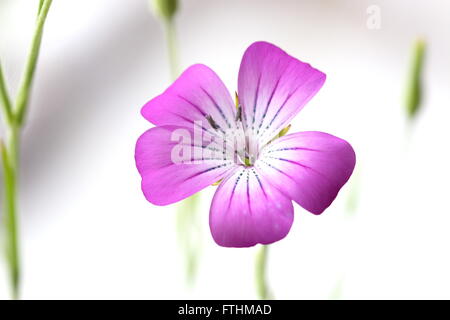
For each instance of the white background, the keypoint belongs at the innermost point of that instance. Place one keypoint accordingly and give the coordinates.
(88, 232)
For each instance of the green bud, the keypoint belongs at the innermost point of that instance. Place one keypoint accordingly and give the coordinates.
(414, 89)
(165, 8)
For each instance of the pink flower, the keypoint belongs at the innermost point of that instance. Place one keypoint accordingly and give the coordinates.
(260, 173)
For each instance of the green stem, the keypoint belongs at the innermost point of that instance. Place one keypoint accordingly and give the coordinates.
(10, 151)
(188, 230)
(188, 233)
(41, 3)
(172, 48)
(354, 186)
(9, 160)
(5, 100)
(261, 273)
(27, 78)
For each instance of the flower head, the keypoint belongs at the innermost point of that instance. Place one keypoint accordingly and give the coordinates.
(166, 9)
(202, 137)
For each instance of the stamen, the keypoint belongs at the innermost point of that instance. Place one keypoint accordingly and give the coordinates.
(245, 160)
(284, 131)
(280, 134)
(239, 114)
(212, 123)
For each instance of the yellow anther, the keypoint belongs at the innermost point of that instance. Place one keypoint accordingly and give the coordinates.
(284, 131)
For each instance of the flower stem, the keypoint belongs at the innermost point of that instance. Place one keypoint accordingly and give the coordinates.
(14, 116)
(9, 160)
(261, 273)
(41, 3)
(188, 230)
(172, 48)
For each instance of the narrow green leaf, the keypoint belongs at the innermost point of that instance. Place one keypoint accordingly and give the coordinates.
(27, 78)
(414, 88)
(4, 97)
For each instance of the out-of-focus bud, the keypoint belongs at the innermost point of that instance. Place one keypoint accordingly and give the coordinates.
(165, 9)
(414, 89)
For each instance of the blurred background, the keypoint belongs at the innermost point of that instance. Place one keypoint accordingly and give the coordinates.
(88, 232)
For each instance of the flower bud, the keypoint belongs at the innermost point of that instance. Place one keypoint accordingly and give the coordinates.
(165, 8)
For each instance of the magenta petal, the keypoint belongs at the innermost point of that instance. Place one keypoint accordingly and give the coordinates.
(273, 87)
(165, 182)
(247, 210)
(309, 167)
(197, 93)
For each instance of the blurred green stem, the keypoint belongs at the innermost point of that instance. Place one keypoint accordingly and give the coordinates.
(188, 230)
(354, 186)
(5, 100)
(261, 273)
(41, 3)
(336, 294)
(9, 160)
(14, 116)
(172, 48)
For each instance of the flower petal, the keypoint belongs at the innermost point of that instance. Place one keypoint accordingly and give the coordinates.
(196, 94)
(167, 179)
(247, 210)
(309, 167)
(273, 87)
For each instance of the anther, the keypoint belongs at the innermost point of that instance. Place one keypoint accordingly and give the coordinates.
(211, 122)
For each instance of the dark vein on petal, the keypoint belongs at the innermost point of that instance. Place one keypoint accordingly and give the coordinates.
(277, 169)
(195, 146)
(207, 170)
(260, 183)
(293, 162)
(195, 124)
(248, 193)
(192, 104)
(289, 96)
(282, 172)
(255, 101)
(306, 167)
(234, 189)
(306, 99)
(294, 148)
(269, 102)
